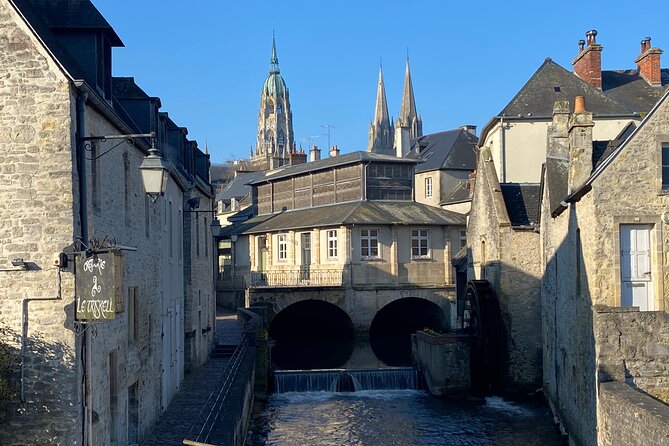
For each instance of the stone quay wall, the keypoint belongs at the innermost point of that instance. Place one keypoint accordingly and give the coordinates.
(444, 361)
(628, 416)
(633, 347)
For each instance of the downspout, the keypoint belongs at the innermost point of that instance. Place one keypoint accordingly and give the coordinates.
(502, 147)
(24, 329)
(83, 215)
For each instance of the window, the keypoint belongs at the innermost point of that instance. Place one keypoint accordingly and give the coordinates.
(665, 167)
(463, 238)
(369, 243)
(332, 244)
(420, 243)
(206, 239)
(428, 187)
(126, 187)
(283, 246)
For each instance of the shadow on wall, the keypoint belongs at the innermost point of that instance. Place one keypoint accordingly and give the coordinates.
(49, 387)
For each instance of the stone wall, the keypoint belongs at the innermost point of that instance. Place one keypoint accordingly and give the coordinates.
(37, 216)
(444, 361)
(633, 347)
(627, 416)
(508, 259)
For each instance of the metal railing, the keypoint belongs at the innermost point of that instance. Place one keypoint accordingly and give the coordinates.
(206, 421)
(296, 278)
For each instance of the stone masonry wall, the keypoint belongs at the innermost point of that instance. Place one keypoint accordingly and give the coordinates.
(36, 222)
(633, 347)
(627, 416)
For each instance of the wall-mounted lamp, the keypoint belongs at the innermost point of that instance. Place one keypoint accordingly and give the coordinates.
(154, 173)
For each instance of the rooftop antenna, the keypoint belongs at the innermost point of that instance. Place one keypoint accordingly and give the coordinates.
(328, 127)
(309, 140)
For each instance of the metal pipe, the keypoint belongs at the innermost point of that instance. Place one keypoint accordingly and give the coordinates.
(24, 329)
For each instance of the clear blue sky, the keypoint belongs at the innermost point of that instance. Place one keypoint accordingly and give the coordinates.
(207, 59)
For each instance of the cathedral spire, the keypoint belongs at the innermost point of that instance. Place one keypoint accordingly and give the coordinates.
(381, 109)
(408, 117)
(380, 133)
(274, 61)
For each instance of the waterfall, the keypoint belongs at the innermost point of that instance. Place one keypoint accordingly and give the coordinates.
(341, 380)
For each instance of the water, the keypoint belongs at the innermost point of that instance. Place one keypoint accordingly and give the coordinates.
(402, 418)
(345, 380)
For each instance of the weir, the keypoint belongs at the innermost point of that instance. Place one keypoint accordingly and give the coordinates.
(345, 380)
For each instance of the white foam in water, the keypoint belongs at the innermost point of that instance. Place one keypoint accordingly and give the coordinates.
(499, 404)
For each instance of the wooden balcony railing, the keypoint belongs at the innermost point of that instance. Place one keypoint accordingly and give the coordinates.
(296, 278)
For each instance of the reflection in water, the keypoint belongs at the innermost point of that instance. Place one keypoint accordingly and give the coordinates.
(404, 417)
(360, 353)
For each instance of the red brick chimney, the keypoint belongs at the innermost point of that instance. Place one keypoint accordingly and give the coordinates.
(648, 63)
(296, 157)
(588, 63)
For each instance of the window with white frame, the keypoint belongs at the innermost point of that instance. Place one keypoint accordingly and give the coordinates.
(428, 187)
(420, 243)
(332, 244)
(282, 242)
(369, 243)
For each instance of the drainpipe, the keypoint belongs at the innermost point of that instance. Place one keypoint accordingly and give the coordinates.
(24, 329)
(502, 147)
(86, 427)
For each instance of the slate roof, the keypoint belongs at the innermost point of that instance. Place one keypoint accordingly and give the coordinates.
(522, 202)
(126, 88)
(239, 187)
(75, 14)
(326, 163)
(602, 149)
(458, 194)
(358, 212)
(624, 93)
(452, 149)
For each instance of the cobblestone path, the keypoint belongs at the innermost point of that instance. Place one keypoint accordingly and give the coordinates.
(196, 387)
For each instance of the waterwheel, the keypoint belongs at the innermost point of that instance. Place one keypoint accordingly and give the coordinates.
(482, 320)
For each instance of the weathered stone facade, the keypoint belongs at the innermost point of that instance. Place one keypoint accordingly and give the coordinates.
(96, 383)
(588, 338)
(507, 256)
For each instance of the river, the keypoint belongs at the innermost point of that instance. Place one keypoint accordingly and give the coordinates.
(402, 418)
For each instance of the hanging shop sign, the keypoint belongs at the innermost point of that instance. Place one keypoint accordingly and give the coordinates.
(98, 284)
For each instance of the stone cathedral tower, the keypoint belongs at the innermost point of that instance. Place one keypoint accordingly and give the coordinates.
(275, 121)
(381, 129)
(409, 124)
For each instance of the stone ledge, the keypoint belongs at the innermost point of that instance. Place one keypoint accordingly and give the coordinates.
(639, 400)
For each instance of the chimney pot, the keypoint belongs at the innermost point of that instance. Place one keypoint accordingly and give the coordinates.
(591, 35)
(581, 44)
(579, 104)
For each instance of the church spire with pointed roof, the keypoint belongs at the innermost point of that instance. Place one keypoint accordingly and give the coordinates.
(408, 117)
(275, 138)
(380, 131)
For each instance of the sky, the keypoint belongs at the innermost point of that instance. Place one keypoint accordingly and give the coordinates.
(207, 59)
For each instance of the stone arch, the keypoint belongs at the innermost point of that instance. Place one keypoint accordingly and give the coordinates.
(391, 329)
(311, 333)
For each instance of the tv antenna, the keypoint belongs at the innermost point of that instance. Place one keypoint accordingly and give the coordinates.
(309, 140)
(328, 127)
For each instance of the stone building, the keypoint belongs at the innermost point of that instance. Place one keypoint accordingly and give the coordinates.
(71, 189)
(346, 230)
(516, 137)
(502, 233)
(503, 247)
(447, 160)
(275, 121)
(604, 289)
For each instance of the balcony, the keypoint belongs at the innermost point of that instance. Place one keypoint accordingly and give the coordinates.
(296, 278)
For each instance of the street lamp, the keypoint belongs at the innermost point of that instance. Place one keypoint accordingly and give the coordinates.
(154, 173)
